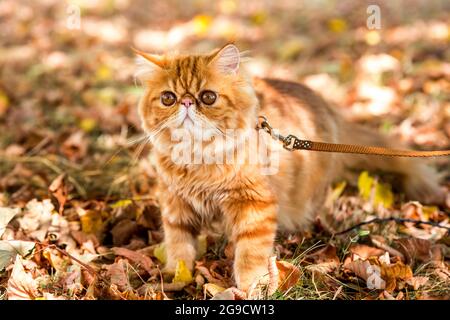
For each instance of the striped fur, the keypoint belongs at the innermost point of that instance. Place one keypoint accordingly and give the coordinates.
(251, 206)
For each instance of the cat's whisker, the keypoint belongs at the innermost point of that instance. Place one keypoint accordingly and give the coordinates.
(210, 125)
(152, 135)
(131, 142)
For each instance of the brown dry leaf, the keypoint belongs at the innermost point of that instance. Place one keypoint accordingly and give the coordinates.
(394, 272)
(164, 287)
(325, 260)
(380, 242)
(57, 261)
(208, 276)
(417, 282)
(21, 285)
(59, 190)
(227, 294)
(362, 268)
(37, 218)
(117, 273)
(75, 147)
(379, 275)
(123, 231)
(230, 294)
(289, 275)
(136, 257)
(6, 215)
(365, 252)
(417, 250)
(212, 289)
(91, 221)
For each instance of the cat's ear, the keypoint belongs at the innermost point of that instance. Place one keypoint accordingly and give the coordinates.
(226, 59)
(147, 63)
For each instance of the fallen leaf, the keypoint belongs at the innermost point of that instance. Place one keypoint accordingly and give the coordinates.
(324, 260)
(91, 221)
(364, 270)
(383, 195)
(21, 285)
(380, 242)
(182, 273)
(202, 24)
(208, 276)
(121, 204)
(4, 103)
(123, 231)
(224, 295)
(365, 183)
(212, 289)
(160, 253)
(117, 273)
(57, 261)
(417, 250)
(37, 218)
(289, 275)
(6, 215)
(417, 282)
(364, 251)
(337, 191)
(59, 190)
(385, 258)
(337, 25)
(10, 248)
(379, 275)
(75, 147)
(136, 257)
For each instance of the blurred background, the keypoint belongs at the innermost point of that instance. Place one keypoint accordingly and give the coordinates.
(68, 97)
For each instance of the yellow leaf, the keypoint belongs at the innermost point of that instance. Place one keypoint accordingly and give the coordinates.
(91, 221)
(429, 211)
(103, 73)
(160, 253)
(383, 195)
(258, 18)
(182, 273)
(365, 183)
(106, 96)
(121, 203)
(88, 124)
(337, 191)
(337, 25)
(202, 23)
(291, 49)
(4, 103)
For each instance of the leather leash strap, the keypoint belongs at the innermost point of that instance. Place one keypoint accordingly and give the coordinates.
(292, 143)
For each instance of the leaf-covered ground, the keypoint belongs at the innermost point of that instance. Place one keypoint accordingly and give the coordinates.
(78, 218)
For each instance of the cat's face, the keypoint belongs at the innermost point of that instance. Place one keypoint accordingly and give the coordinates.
(197, 93)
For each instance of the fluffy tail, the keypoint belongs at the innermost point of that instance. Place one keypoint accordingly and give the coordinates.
(420, 181)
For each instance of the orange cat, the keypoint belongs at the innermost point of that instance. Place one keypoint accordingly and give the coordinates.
(199, 99)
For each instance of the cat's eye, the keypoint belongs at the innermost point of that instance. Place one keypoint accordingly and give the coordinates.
(208, 97)
(168, 98)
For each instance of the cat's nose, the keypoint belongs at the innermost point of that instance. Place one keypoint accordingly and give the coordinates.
(187, 101)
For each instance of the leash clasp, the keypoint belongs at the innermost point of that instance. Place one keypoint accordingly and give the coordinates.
(263, 124)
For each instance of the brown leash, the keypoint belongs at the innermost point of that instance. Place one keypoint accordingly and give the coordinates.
(292, 143)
